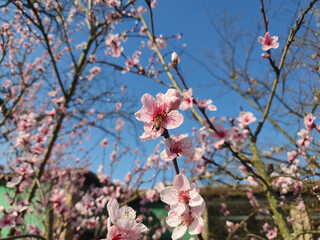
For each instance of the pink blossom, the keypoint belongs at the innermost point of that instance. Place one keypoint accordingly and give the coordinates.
(304, 141)
(222, 134)
(292, 155)
(272, 234)
(189, 218)
(7, 221)
(206, 104)
(113, 44)
(112, 3)
(124, 219)
(153, 3)
(177, 145)
(160, 41)
(245, 118)
(104, 143)
(158, 114)
(152, 195)
(118, 106)
(268, 42)
(187, 99)
(123, 88)
(143, 31)
(197, 156)
(95, 70)
(114, 234)
(58, 199)
(309, 122)
(92, 58)
(181, 193)
(238, 135)
(33, 229)
(119, 125)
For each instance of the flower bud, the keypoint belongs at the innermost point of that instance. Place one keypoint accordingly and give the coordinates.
(175, 59)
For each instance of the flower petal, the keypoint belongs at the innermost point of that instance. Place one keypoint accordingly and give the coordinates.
(196, 227)
(169, 195)
(181, 183)
(178, 232)
(173, 120)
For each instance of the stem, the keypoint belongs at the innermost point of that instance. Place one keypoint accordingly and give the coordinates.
(277, 70)
(200, 236)
(166, 135)
(166, 68)
(175, 164)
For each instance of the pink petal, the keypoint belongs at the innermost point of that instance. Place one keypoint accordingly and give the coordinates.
(173, 120)
(197, 201)
(125, 223)
(167, 155)
(265, 47)
(179, 208)
(261, 40)
(178, 232)
(196, 227)
(174, 97)
(169, 195)
(181, 183)
(185, 105)
(275, 45)
(173, 219)
(146, 136)
(148, 101)
(113, 210)
(198, 210)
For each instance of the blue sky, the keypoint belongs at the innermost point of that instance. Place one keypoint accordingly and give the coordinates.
(194, 20)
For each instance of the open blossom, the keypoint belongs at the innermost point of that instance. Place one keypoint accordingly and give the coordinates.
(186, 206)
(189, 218)
(125, 225)
(222, 134)
(245, 118)
(272, 233)
(113, 43)
(268, 42)
(305, 140)
(7, 221)
(160, 41)
(177, 145)
(159, 113)
(187, 99)
(206, 104)
(309, 122)
(292, 156)
(181, 193)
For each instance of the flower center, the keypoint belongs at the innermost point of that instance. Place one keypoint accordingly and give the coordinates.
(157, 122)
(184, 197)
(187, 219)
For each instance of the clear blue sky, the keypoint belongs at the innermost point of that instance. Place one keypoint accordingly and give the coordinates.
(194, 20)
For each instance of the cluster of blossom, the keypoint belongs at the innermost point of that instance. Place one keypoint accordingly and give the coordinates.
(272, 233)
(158, 115)
(286, 180)
(125, 226)
(186, 207)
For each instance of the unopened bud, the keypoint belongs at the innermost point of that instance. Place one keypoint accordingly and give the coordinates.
(175, 59)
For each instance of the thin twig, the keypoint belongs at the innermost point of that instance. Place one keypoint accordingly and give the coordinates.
(277, 70)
